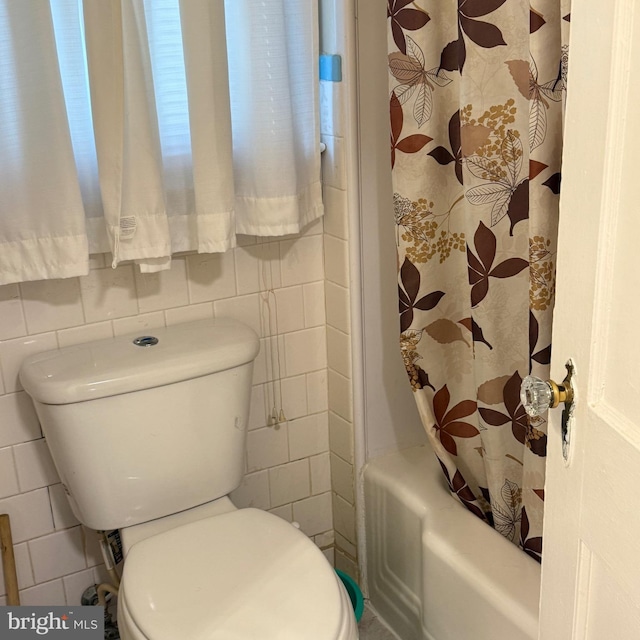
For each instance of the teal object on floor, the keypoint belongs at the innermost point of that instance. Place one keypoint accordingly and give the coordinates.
(355, 595)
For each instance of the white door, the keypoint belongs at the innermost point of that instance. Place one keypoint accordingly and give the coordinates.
(591, 565)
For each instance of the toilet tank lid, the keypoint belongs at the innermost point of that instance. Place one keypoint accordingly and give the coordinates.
(119, 365)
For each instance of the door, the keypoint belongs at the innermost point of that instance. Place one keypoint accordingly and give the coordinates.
(591, 565)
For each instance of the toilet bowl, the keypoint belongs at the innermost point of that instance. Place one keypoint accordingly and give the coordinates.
(148, 435)
(243, 574)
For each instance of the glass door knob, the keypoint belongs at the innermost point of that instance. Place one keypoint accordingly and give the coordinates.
(537, 395)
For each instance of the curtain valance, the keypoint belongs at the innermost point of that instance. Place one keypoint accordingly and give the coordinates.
(147, 127)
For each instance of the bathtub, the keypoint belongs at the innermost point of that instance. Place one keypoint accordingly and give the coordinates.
(434, 570)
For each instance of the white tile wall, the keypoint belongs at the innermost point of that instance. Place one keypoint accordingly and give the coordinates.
(8, 475)
(289, 482)
(285, 512)
(30, 514)
(290, 308)
(23, 568)
(336, 220)
(314, 514)
(85, 333)
(344, 521)
(305, 351)
(317, 392)
(294, 400)
(90, 541)
(257, 268)
(57, 555)
(34, 465)
(301, 260)
(267, 447)
(337, 300)
(339, 351)
(314, 306)
(308, 436)
(13, 352)
(50, 305)
(49, 593)
(336, 185)
(325, 539)
(342, 477)
(344, 544)
(191, 313)
(12, 323)
(143, 323)
(243, 308)
(340, 397)
(211, 277)
(109, 293)
(75, 584)
(341, 437)
(320, 474)
(270, 362)
(63, 517)
(336, 255)
(164, 289)
(19, 421)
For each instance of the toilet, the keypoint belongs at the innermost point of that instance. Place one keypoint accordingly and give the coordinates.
(148, 436)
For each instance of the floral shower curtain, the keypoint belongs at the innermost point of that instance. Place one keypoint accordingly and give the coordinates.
(477, 91)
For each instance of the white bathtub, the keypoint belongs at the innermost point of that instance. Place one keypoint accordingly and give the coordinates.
(435, 571)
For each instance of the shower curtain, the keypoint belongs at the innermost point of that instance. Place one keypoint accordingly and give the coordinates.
(476, 104)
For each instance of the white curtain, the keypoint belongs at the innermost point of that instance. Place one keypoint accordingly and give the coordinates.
(148, 127)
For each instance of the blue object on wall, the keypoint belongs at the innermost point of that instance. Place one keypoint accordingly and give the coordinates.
(331, 68)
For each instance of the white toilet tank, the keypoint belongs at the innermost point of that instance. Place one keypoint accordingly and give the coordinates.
(139, 432)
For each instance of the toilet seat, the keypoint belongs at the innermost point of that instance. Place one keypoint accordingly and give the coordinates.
(242, 575)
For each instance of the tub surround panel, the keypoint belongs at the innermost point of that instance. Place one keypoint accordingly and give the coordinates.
(422, 560)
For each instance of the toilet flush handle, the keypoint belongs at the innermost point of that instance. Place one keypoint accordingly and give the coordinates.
(146, 341)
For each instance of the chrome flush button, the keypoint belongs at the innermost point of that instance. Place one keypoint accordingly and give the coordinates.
(146, 341)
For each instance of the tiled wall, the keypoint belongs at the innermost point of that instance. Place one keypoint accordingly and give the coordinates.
(337, 182)
(288, 465)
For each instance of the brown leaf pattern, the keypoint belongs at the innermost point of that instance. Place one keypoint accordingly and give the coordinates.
(484, 34)
(461, 489)
(414, 80)
(404, 18)
(409, 144)
(448, 424)
(477, 90)
(408, 295)
(481, 267)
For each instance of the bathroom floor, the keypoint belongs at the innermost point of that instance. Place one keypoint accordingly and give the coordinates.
(370, 628)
